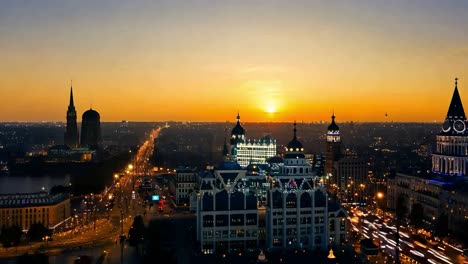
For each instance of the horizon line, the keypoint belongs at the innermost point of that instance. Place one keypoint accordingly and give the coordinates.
(246, 122)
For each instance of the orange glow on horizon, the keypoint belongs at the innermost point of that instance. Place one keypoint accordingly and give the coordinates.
(199, 61)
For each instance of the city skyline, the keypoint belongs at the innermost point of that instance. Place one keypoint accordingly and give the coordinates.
(273, 61)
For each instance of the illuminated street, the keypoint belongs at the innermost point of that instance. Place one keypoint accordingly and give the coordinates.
(381, 229)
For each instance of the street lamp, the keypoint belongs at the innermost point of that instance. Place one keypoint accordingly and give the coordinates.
(380, 195)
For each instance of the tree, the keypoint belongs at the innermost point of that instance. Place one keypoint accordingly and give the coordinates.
(37, 258)
(401, 208)
(417, 215)
(136, 232)
(155, 234)
(56, 189)
(441, 225)
(37, 231)
(10, 236)
(464, 234)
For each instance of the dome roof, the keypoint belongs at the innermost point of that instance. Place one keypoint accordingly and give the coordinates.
(294, 144)
(333, 126)
(91, 115)
(252, 168)
(275, 159)
(238, 129)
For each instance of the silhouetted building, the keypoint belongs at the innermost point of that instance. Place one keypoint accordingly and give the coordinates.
(91, 130)
(333, 147)
(71, 133)
(246, 151)
(451, 155)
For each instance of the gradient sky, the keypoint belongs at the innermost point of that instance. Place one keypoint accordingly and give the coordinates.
(205, 60)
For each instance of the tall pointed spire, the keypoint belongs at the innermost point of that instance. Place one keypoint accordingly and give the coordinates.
(238, 118)
(295, 130)
(333, 127)
(294, 144)
(71, 133)
(456, 110)
(72, 103)
(225, 147)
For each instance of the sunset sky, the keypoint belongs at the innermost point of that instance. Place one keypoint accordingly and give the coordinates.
(273, 61)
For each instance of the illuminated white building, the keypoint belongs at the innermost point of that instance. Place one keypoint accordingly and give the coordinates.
(246, 151)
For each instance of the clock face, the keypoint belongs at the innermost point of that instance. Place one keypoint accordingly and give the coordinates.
(446, 126)
(459, 126)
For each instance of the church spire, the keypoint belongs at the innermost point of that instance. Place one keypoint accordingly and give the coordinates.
(72, 104)
(456, 110)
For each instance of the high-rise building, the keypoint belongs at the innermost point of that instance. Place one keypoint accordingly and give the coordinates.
(71, 133)
(333, 147)
(299, 213)
(91, 130)
(451, 155)
(350, 178)
(246, 151)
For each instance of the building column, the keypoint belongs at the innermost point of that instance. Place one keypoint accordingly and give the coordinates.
(312, 221)
(327, 225)
(298, 217)
(284, 219)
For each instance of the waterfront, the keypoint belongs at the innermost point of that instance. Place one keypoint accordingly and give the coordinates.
(27, 183)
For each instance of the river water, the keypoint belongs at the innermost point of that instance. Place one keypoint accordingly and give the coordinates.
(28, 184)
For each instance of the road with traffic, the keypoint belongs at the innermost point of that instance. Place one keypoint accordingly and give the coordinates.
(413, 247)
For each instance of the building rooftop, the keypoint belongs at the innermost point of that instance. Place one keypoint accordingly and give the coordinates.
(30, 199)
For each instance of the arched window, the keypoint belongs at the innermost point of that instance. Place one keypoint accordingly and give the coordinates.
(207, 202)
(237, 201)
(222, 201)
(277, 200)
(306, 200)
(320, 199)
(291, 200)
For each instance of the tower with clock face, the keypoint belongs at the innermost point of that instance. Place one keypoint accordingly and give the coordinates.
(451, 155)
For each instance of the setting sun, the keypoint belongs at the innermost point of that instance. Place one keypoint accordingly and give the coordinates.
(271, 109)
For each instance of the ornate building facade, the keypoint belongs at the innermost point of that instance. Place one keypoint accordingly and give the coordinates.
(451, 155)
(227, 212)
(298, 212)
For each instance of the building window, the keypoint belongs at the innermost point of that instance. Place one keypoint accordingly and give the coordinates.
(318, 239)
